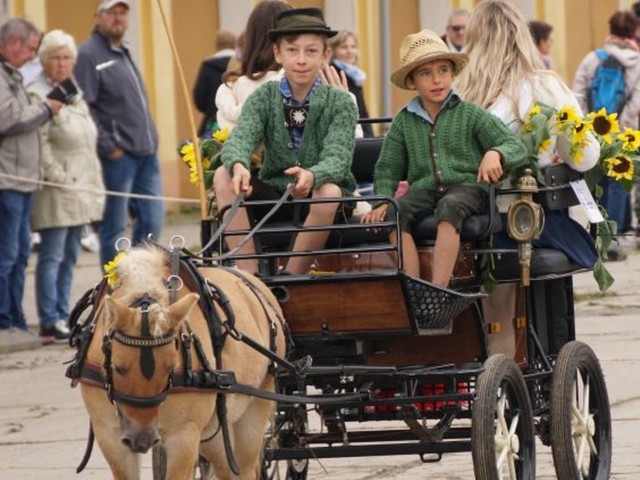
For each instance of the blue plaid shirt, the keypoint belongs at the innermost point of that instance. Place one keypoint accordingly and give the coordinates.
(295, 132)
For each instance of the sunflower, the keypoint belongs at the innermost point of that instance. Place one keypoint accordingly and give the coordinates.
(188, 153)
(630, 139)
(221, 135)
(580, 130)
(544, 145)
(604, 125)
(620, 167)
(111, 269)
(566, 115)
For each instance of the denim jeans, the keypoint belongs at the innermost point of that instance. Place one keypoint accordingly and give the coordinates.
(15, 246)
(615, 200)
(59, 248)
(130, 174)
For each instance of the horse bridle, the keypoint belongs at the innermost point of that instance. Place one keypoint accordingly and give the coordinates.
(146, 343)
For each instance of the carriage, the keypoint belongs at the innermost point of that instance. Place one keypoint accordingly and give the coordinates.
(427, 370)
(458, 370)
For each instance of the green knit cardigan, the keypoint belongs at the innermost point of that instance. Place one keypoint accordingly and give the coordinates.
(461, 134)
(327, 143)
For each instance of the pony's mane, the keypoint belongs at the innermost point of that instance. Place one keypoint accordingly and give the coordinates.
(143, 270)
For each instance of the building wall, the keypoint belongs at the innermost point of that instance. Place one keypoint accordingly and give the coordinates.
(579, 27)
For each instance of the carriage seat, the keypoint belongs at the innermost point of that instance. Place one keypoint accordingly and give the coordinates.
(365, 156)
(545, 263)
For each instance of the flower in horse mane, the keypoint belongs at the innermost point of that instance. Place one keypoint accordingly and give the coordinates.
(210, 149)
(111, 269)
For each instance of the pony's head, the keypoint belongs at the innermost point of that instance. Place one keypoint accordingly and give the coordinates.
(140, 345)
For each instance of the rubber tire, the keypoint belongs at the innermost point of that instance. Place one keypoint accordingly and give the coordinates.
(500, 371)
(573, 357)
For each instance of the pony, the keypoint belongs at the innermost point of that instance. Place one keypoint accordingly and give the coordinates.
(144, 339)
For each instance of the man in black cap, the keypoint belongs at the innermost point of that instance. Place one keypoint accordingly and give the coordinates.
(308, 129)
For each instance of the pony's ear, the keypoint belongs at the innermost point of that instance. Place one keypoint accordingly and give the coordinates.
(181, 309)
(116, 312)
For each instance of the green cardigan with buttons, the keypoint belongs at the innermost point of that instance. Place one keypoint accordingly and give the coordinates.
(327, 143)
(448, 152)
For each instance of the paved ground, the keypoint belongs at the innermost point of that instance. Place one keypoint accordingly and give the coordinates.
(43, 425)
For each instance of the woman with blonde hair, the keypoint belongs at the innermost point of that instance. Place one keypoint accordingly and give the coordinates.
(506, 76)
(344, 52)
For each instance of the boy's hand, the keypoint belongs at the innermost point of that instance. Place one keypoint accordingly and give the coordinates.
(490, 170)
(377, 215)
(304, 181)
(241, 180)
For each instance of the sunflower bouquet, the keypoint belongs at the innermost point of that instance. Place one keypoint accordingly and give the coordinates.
(617, 160)
(210, 149)
(618, 149)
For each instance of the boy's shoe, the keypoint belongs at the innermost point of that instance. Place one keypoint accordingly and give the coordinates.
(57, 333)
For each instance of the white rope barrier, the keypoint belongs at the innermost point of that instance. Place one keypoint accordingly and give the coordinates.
(104, 192)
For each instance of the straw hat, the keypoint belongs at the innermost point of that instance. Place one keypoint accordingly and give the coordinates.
(422, 47)
(298, 21)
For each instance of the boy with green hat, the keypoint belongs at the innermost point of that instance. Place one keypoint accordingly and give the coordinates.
(449, 150)
(307, 129)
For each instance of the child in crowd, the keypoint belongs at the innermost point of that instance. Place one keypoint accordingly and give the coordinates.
(449, 150)
(307, 128)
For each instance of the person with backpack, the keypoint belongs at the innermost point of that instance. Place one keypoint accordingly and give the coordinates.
(609, 77)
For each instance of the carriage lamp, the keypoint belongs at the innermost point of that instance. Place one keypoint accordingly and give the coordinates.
(525, 220)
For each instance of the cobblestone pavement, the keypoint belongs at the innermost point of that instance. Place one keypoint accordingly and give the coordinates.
(43, 425)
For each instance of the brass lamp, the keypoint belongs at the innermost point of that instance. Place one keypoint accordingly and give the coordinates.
(525, 221)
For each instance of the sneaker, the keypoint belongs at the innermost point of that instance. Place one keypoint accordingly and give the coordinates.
(90, 242)
(57, 333)
(35, 241)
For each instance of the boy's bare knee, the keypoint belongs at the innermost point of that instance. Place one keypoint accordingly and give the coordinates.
(328, 190)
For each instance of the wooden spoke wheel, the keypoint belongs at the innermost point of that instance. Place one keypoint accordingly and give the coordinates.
(502, 432)
(580, 416)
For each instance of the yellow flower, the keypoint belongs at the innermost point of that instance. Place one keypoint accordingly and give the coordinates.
(567, 114)
(533, 111)
(578, 156)
(620, 167)
(221, 135)
(580, 130)
(111, 269)
(630, 139)
(544, 145)
(188, 153)
(604, 125)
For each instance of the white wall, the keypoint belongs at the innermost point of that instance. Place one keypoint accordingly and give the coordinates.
(341, 14)
(234, 14)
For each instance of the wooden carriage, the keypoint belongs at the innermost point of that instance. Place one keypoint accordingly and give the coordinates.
(453, 366)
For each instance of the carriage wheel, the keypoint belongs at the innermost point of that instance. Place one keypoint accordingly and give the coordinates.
(502, 433)
(580, 415)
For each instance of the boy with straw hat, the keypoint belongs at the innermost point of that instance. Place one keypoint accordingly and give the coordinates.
(449, 150)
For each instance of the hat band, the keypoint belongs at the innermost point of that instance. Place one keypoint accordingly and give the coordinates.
(426, 56)
(301, 21)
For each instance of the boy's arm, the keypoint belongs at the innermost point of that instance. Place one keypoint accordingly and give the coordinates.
(494, 135)
(392, 164)
(337, 145)
(249, 132)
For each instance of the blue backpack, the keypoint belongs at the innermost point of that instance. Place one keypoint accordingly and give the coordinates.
(607, 87)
